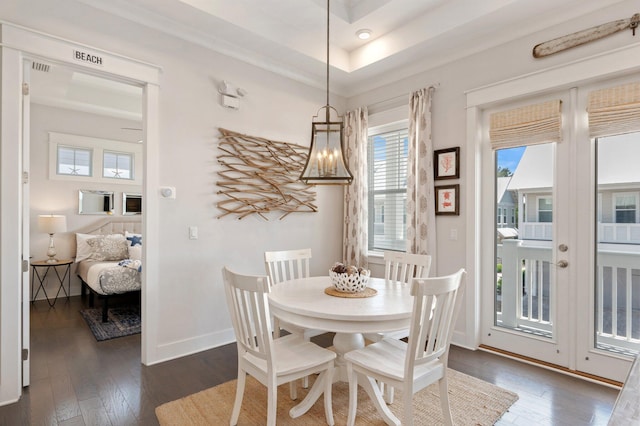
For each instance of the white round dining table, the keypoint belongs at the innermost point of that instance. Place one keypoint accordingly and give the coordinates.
(303, 302)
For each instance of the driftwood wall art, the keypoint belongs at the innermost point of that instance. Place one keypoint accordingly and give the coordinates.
(259, 176)
(585, 36)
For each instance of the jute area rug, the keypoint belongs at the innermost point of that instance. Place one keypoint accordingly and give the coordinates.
(473, 402)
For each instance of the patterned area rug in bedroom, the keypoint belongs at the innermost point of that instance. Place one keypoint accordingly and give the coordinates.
(123, 321)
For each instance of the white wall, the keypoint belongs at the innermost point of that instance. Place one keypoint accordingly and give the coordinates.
(52, 196)
(189, 286)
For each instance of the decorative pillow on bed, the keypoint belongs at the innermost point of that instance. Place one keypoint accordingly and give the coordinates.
(133, 264)
(83, 250)
(133, 239)
(135, 252)
(109, 247)
(134, 242)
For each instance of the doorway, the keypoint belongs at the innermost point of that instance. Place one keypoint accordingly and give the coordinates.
(27, 44)
(84, 136)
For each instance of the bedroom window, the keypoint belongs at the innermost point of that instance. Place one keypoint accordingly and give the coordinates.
(117, 165)
(87, 159)
(387, 158)
(73, 161)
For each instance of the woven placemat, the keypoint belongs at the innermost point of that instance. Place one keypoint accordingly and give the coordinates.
(367, 292)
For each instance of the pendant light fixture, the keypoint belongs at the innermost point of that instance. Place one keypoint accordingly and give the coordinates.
(326, 162)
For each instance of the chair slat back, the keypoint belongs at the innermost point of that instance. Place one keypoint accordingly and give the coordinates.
(403, 267)
(249, 308)
(287, 264)
(436, 302)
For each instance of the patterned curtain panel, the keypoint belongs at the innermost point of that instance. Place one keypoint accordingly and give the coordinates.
(355, 195)
(421, 216)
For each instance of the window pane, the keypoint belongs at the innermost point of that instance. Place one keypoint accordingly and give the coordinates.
(74, 161)
(625, 202)
(545, 217)
(387, 155)
(616, 290)
(117, 165)
(625, 216)
(545, 210)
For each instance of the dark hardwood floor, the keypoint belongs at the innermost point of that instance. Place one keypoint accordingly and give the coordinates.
(78, 381)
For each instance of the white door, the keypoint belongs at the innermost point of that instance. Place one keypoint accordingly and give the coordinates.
(608, 301)
(562, 273)
(26, 293)
(527, 220)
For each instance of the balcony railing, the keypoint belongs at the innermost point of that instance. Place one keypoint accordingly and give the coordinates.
(527, 292)
(615, 233)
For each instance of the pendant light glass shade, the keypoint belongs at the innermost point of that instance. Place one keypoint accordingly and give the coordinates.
(326, 161)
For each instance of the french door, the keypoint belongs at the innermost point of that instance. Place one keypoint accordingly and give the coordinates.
(561, 280)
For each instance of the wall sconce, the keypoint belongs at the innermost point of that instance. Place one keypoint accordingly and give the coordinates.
(231, 94)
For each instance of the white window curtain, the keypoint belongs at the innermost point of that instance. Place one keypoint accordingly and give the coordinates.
(528, 125)
(355, 238)
(421, 219)
(614, 110)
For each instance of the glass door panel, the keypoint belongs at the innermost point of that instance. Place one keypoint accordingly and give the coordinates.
(524, 290)
(617, 275)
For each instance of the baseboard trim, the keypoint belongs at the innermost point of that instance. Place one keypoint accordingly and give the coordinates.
(553, 367)
(178, 349)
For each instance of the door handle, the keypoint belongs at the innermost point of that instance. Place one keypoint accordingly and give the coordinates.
(563, 263)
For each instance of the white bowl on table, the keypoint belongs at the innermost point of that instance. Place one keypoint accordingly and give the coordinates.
(349, 283)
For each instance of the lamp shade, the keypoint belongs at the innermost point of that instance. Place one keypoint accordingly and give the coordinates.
(52, 223)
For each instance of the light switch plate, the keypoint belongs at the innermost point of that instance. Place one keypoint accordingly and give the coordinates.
(193, 232)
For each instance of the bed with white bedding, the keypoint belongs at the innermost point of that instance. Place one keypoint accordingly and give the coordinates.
(108, 260)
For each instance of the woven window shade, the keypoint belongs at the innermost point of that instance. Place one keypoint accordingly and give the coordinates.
(614, 110)
(532, 124)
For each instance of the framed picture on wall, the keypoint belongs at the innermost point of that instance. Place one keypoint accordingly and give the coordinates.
(447, 199)
(446, 163)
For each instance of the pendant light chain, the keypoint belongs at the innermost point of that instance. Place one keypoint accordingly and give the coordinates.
(325, 163)
(327, 110)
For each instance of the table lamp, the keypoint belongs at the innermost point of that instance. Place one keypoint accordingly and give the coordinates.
(51, 224)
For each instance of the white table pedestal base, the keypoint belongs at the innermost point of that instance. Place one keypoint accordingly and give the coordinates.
(343, 343)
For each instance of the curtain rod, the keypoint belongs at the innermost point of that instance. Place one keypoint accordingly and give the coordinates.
(391, 102)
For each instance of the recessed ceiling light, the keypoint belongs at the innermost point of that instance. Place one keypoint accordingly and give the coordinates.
(363, 34)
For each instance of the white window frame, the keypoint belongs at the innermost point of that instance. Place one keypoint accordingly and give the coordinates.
(74, 148)
(614, 197)
(376, 130)
(538, 199)
(119, 154)
(98, 147)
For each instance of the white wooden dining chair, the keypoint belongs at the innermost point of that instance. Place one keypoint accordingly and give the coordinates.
(423, 360)
(402, 268)
(272, 361)
(288, 265)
